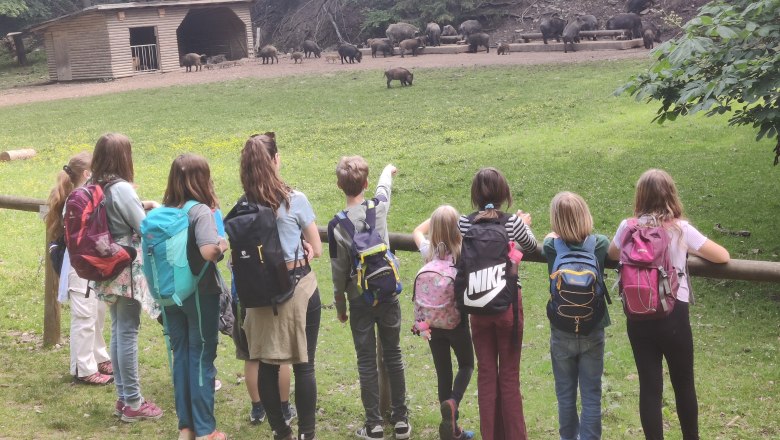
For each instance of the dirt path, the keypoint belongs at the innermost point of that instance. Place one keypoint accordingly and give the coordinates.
(253, 69)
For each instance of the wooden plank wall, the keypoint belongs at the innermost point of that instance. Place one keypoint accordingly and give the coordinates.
(167, 23)
(88, 52)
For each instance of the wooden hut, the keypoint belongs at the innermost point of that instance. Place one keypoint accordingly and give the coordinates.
(125, 39)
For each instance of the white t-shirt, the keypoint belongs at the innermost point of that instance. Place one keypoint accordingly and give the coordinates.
(691, 239)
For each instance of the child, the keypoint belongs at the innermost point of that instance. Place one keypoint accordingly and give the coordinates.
(262, 184)
(352, 178)
(197, 319)
(128, 292)
(89, 360)
(252, 371)
(442, 228)
(577, 359)
(657, 203)
(498, 351)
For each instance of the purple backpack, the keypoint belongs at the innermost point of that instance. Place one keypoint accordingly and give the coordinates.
(93, 252)
(648, 281)
(434, 295)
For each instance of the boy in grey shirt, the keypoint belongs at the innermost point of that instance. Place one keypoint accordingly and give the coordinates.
(352, 177)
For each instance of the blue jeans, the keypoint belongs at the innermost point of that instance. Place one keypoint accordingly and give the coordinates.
(193, 357)
(578, 359)
(125, 322)
(386, 317)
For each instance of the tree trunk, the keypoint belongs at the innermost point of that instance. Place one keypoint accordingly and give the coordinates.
(333, 22)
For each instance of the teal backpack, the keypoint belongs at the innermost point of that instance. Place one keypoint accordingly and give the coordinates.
(164, 234)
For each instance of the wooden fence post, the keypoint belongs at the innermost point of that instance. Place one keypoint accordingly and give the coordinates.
(51, 307)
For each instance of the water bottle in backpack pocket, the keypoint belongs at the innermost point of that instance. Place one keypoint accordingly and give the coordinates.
(648, 281)
(577, 290)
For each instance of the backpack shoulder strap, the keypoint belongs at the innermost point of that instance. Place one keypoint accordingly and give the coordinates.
(370, 214)
(589, 245)
(189, 205)
(560, 246)
(331, 237)
(343, 220)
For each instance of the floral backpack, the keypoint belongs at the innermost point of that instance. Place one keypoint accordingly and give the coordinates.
(434, 295)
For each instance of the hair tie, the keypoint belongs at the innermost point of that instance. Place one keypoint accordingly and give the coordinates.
(67, 169)
(490, 206)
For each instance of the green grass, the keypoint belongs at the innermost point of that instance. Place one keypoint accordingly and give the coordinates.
(14, 75)
(549, 128)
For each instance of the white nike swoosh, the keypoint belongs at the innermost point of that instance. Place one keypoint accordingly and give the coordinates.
(485, 299)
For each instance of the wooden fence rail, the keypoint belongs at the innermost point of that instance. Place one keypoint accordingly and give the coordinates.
(748, 270)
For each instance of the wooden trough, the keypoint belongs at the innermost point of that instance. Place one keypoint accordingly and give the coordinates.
(528, 36)
(552, 46)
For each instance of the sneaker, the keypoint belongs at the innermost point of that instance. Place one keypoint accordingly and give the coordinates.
(147, 410)
(106, 368)
(257, 414)
(403, 430)
(96, 379)
(120, 405)
(307, 436)
(216, 435)
(368, 433)
(217, 385)
(289, 413)
(464, 435)
(447, 427)
(288, 436)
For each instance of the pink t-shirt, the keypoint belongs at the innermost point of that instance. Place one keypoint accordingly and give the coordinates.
(691, 239)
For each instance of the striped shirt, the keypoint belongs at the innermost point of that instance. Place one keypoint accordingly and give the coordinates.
(515, 229)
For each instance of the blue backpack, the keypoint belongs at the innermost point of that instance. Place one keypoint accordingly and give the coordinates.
(577, 289)
(164, 236)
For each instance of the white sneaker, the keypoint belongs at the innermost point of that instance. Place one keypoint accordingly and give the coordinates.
(371, 434)
(403, 430)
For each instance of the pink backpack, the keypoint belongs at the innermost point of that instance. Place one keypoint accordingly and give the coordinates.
(648, 281)
(434, 295)
(93, 253)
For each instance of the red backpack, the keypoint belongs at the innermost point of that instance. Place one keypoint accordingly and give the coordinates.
(648, 280)
(93, 252)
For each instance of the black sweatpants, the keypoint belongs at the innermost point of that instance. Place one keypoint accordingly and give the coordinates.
(669, 338)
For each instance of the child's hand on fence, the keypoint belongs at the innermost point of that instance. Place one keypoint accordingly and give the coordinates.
(524, 216)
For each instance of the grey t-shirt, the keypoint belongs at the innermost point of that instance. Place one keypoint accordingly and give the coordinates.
(291, 222)
(203, 231)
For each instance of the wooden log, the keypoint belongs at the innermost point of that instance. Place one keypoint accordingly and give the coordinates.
(28, 204)
(25, 153)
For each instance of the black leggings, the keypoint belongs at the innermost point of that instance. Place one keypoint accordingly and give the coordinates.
(305, 380)
(669, 338)
(459, 339)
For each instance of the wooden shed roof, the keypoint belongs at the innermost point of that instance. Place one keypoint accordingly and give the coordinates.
(132, 5)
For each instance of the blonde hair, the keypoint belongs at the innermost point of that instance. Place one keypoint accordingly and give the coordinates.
(67, 180)
(570, 217)
(352, 175)
(656, 195)
(445, 235)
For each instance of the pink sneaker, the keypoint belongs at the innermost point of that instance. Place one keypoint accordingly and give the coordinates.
(120, 405)
(148, 410)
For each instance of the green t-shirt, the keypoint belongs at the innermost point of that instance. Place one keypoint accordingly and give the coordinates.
(602, 246)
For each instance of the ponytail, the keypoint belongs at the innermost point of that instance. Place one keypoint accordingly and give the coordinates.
(67, 179)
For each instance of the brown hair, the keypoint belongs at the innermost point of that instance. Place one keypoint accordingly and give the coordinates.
(489, 187)
(69, 178)
(112, 158)
(259, 176)
(445, 235)
(352, 175)
(570, 217)
(656, 195)
(190, 179)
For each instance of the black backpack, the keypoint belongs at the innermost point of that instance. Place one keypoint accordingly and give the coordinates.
(259, 269)
(485, 283)
(577, 289)
(375, 267)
